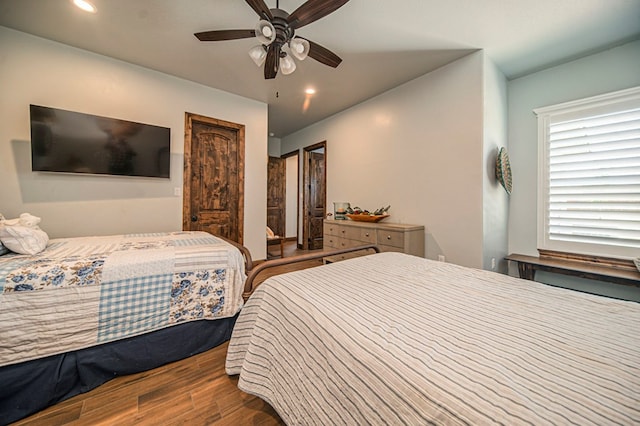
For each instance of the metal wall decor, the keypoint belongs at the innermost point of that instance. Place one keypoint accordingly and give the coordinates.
(503, 170)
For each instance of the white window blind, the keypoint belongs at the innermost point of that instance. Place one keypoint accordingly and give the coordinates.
(590, 188)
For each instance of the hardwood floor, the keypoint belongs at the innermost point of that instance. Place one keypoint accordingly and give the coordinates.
(194, 391)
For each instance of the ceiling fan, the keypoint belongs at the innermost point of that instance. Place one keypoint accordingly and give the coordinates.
(276, 33)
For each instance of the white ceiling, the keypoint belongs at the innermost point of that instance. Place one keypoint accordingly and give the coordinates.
(382, 43)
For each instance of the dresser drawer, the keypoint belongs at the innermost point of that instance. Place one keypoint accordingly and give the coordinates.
(331, 241)
(350, 232)
(332, 229)
(383, 248)
(345, 256)
(390, 238)
(367, 235)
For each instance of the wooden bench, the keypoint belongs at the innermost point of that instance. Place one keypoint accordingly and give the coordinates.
(618, 272)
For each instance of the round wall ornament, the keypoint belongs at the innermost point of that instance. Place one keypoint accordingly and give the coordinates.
(503, 170)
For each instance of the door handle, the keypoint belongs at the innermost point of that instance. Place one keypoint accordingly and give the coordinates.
(194, 218)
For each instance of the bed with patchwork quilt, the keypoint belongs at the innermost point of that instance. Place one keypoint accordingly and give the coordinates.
(87, 309)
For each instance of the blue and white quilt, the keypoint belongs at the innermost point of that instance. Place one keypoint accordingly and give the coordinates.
(81, 292)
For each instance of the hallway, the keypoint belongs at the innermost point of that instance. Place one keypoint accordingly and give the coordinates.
(290, 249)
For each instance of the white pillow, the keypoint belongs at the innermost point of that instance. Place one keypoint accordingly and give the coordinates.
(23, 240)
(3, 249)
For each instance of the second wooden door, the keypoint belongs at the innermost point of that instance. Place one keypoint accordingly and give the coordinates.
(276, 192)
(315, 195)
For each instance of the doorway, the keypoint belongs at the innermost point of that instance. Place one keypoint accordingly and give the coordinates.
(213, 177)
(314, 195)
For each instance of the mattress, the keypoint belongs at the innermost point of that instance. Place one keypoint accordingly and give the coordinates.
(396, 339)
(82, 292)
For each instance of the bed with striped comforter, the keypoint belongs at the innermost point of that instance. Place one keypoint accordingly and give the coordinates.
(395, 339)
(86, 291)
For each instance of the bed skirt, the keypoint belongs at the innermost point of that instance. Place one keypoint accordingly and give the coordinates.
(34, 385)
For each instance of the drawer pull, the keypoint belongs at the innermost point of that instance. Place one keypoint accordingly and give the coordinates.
(366, 235)
(388, 237)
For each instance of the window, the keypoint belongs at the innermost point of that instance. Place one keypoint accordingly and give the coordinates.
(589, 182)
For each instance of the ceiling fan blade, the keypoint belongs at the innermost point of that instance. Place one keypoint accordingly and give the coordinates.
(261, 9)
(323, 55)
(312, 10)
(272, 61)
(220, 35)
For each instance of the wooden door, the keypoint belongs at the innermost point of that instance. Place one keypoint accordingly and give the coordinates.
(315, 195)
(213, 177)
(276, 191)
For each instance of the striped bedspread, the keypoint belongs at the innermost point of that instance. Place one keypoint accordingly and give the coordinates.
(81, 292)
(395, 339)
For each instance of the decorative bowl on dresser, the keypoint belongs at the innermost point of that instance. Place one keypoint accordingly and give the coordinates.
(367, 217)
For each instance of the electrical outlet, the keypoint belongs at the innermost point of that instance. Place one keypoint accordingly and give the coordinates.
(493, 263)
(177, 191)
(441, 258)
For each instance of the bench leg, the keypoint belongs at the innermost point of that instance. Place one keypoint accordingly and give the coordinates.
(527, 271)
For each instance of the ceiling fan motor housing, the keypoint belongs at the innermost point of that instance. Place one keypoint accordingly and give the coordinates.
(284, 33)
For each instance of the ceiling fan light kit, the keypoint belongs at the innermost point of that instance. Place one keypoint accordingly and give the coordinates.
(299, 48)
(258, 54)
(276, 33)
(265, 33)
(287, 64)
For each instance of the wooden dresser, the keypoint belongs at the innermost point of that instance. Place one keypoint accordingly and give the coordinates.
(340, 234)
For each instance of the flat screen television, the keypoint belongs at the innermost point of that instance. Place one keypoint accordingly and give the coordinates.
(73, 142)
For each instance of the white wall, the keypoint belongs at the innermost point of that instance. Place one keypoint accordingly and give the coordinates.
(273, 147)
(291, 222)
(495, 199)
(417, 147)
(612, 70)
(37, 71)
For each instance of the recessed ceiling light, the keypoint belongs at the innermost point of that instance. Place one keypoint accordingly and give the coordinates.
(85, 5)
(310, 91)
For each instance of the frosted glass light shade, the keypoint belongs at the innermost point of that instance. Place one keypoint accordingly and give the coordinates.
(299, 48)
(258, 54)
(287, 65)
(265, 33)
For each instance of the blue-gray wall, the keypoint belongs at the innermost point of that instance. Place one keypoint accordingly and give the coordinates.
(612, 70)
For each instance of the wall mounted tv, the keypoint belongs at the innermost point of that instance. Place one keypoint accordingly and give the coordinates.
(72, 142)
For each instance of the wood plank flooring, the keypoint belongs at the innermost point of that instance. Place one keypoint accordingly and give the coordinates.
(195, 391)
